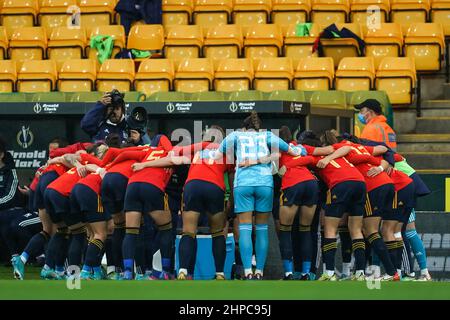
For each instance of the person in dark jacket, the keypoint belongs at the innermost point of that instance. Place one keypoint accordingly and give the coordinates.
(10, 196)
(105, 118)
(134, 10)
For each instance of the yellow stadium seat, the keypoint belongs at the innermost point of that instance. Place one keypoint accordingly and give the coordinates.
(234, 75)
(96, 13)
(117, 32)
(425, 43)
(77, 75)
(154, 75)
(66, 43)
(354, 74)
(397, 76)
(177, 11)
(56, 13)
(8, 76)
(314, 74)
(249, 12)
(338, 48)
(265, 40)
(287, 12)
(210, 13)
(406, 12)
(16, 14)
(297, 47)
(223, 42)
(273, 74)
(440, 13)
(327, 12)
(360, 13)
(194, 75)
(386, 41)
(116, 74)
(4, 43)
(28, 43)
(146, 37)
(37, 76)
(183, 42)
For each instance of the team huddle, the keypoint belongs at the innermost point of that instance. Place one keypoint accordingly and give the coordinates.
(116, 199)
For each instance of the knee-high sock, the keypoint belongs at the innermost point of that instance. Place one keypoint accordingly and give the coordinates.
(306, 247)
(129, 248)
(94, 255)
(407, 261)
(246, 245)
(76, 247)
(35, 246)
(219, 250)
(54, 246)
(166, 245)
(417, 248)
(346, 244)
(392, 249)
(139, 256)
(261, 245)
(329, 247)
(191, 268)
(379, 247)
(296, 249)
(399, 251)
(359, 249)
(186, 249)
(286, 247)
(117, 239)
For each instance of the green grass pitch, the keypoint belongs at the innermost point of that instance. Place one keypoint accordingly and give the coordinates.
(216, 290)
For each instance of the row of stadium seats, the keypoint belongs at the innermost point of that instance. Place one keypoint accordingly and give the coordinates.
(54, 13)
(396, 76)
(424, 42)
(331, 99)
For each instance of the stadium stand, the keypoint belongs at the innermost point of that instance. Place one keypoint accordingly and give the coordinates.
(116, 74)
(54, 13)
(16, 14)
(355, 74)
(234, 75)
(314, 74)
(66, 43)
(210, 13)
(177, 11)
(194, 75)
(37, 76)
(154, 76)
(77, 75)
(273, 74)
(8, 76)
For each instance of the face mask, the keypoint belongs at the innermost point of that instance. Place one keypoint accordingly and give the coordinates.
(362, 119)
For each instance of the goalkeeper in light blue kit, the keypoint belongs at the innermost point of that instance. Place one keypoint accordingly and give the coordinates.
(253, 186)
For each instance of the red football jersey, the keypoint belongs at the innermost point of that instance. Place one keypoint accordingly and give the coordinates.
(93, 181)
(400, 179)
(295, 174)
(60, 169)
(337, 171)
(159, 177)
(67, 181)
(363, 159)
(308, 149)
(203, 166)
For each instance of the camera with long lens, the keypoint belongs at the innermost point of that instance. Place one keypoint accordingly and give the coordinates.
(117, 99)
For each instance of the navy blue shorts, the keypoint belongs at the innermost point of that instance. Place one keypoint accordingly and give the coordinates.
(114, 187)
(404, 202)
(56, 205)
(346, 197)
(379, 201)
(86, 205)
(305, 193)
(203, 197)
(144, 197)
(44, 181)
(421, 188)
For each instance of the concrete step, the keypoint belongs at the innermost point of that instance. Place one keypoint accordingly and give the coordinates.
(433, 125)
(428, 160)
(433, 171)
(423, 142)
(447, 91)
(436, 108)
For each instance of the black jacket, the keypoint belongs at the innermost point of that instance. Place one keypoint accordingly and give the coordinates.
(10, 196)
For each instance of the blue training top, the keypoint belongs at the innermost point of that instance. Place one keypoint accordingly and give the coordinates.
(253, 145)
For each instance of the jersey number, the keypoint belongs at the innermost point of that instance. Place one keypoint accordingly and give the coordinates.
(155, 155)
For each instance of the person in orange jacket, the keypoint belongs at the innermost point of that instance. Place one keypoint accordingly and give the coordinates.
(376, 127)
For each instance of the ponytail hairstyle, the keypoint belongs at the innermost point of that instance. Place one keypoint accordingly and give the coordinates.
(252, 122)
(329, 137)
(285, 134)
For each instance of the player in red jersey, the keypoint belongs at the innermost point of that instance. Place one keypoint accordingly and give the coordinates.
(204, 193)
(380, 195)
(113, 189)
(347, 193)
(145, 195)
(57, 205)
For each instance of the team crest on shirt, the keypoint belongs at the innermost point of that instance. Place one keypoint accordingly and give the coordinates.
(334, 197)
